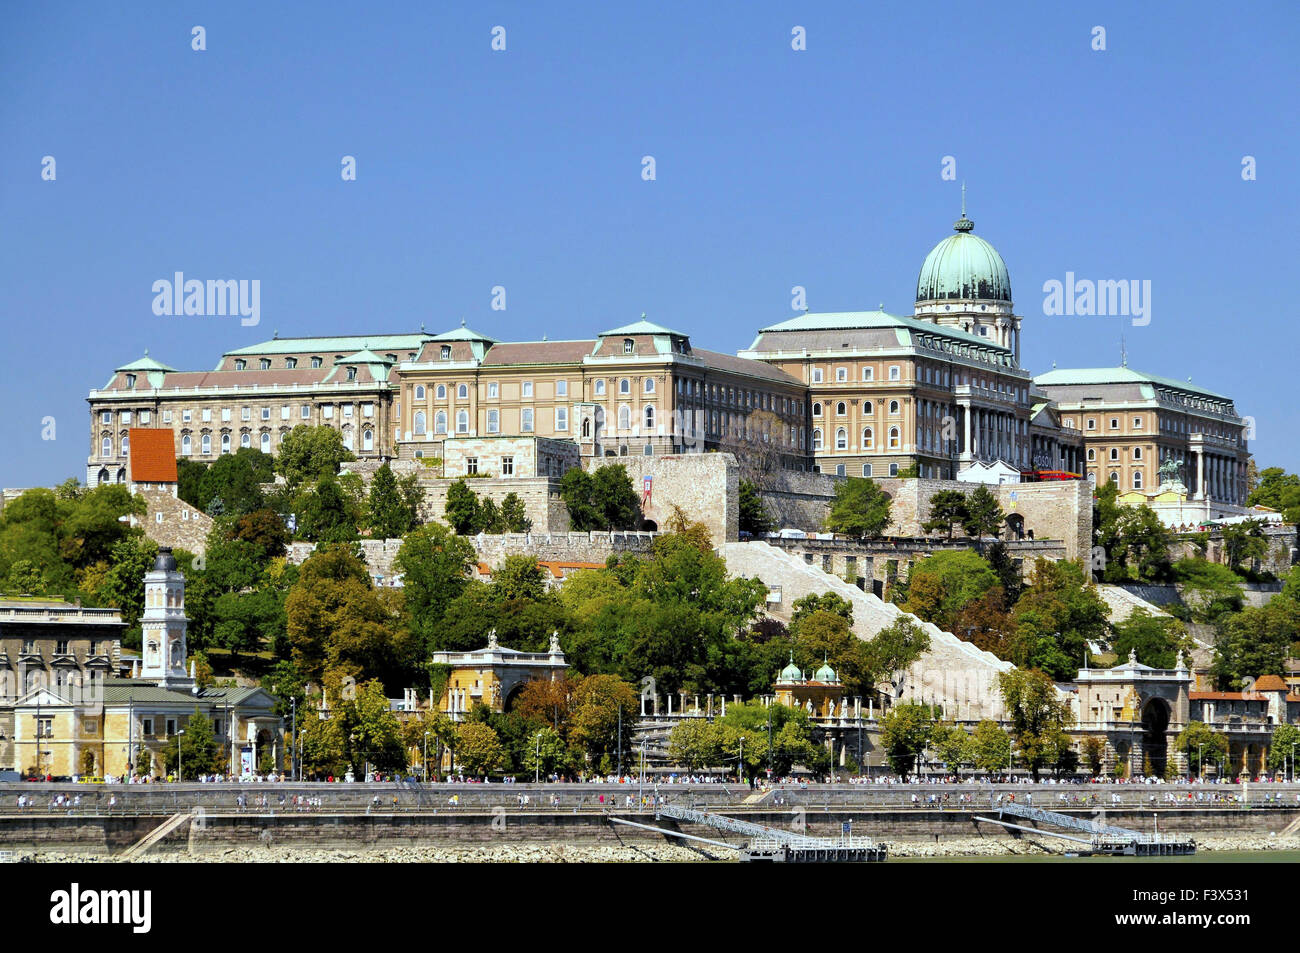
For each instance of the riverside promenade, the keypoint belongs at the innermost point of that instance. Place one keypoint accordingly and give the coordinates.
(198, 818)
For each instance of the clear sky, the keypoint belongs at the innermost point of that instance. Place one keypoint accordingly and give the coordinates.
(523, 168)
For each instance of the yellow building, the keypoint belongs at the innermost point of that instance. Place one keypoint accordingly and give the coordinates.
(493, 676)
(821, 694)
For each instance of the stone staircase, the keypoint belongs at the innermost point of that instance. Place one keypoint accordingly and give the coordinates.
(954, 673)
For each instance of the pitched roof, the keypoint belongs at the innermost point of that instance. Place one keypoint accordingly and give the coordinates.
(642, 327)
(538, 352)
(1117, 375)
(145, 363)
(462, 333)
(865, 320)
(1270, 683)
(152, 458)
(743, 365)
(348, 342)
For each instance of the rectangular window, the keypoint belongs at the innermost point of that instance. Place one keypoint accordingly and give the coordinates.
(185, 416)
(284, 412)
(866, 469)
(494, 421)
(266, 413)
(367, 410)
(146, 726)
(245, 413)
(225, 413)
(817, 375)
(126, 417)
(327, 411)
(347, 410)
(507, 466)
(471, 465)
(527, 389)
(171, 727)
(494, 390)
(106, 417)
(44, 727)
(207, 415)
(306, 411)
(167, 416)
(61, 647)
(561, 388)
(561, 418)
(1137, 423)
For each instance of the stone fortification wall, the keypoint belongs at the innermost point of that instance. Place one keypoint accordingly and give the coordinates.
(705, 485)
(954, 673)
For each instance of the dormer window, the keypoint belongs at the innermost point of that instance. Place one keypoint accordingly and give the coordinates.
(352, 373)
(264, 364)
(315, 362)
(130, 380)
(445, 352)
(240, 364)
(291, 362)
(628, 346)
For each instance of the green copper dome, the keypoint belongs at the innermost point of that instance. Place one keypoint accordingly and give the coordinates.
(825, 673)
(791, 672)
(963, 267)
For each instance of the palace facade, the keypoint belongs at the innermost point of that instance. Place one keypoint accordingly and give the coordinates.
(855, 393)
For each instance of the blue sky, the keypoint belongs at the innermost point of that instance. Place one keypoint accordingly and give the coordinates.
(522, 168)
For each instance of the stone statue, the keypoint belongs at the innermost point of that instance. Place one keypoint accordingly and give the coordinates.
(492, 640)
(555, 644)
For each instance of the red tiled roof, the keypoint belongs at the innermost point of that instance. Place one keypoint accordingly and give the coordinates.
(1224, 696)
(558, 568)
(153, 455)
(538, 352)
(1270, 683)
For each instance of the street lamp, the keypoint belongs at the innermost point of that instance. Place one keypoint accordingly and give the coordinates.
(740, 761)
(424, 760)
(537, 757)
(180, 764)
(1200, 771)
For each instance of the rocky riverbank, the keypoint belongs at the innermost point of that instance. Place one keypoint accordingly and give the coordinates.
(665, 853)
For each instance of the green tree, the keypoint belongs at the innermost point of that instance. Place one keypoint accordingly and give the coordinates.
(600, 705)
(860, 508)
(990, 747)
(1282, 748)
(1201, 744)
(123, 587)
(1280, 491)
(1037, 714)
(264, 530)
(894, 648)
(1055, 619)
(489, 517)
(695, 743)
(326, 514)
(1244, 542)
(754, 517)
(821, 602)
(461, 509)
(514, 517)
(389, 513)
(984, 516)
(435, 565)
(745, 731)
(601, 500)
(943, 584)
(309, 453)
(196, 751)
(947, 508)
(1156, 640)
(953, 745)
(904, 734)
(1256, 641)
(546, 752)
(1094, 754)
(236, 479)
(478, 749)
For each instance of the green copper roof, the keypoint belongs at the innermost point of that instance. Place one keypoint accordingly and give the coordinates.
(963, 267)
(347, 344)
(642, 327)
(858, 320)
(791, 672)
(364, 356)
(463, 333)
(146, 363)
(1118, 375)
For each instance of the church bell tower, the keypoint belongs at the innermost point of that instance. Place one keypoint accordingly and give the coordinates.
(163, 624)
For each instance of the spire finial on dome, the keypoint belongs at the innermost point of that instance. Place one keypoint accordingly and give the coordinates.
(462, 322)
(963, 224)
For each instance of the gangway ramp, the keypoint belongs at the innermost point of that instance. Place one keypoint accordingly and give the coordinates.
(1101, 838)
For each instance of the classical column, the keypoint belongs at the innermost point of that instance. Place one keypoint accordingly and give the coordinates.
(966, 446)
(1200, 474)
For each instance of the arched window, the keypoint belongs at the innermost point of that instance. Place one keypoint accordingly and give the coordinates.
(600, 387)
(266, 443)
(649, 416)
(462, 421)
(893, 438)
(225, 443)
(367, 440)
(126, 444)
(1092, 453)
(868, 438)
(841, 439)
(186, 447)
(893, 408)
(206, 441)
(347, 439)
(420, 420)
(624, 417)
(841, 409)
(586, 427)
(1114, 478)
(419, 392)
(625, 386)
(1114, 453)
(817, 409)
(817, 438)
(106, 447)
(868, 408)
(462, 391)
(440, 392)
(1137, 479)
(440, 422)
(1137, 453)
(649, 385)
(103, 475)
